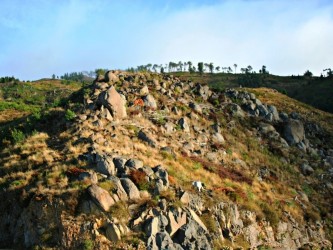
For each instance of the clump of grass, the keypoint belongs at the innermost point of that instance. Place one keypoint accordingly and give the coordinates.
(120, 211)
(69, 115)
(17, 136)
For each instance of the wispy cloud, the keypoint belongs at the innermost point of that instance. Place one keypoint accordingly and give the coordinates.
(39, 38)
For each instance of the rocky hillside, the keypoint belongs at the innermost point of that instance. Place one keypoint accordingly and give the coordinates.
(114, 169)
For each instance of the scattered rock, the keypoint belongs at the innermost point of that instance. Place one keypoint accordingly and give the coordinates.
(150, 102)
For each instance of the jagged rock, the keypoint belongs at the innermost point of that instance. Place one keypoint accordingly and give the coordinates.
(134, 163)
(130, 188)
(192, 236)
(197, 220)
(105, 165)
(162, 240)
(113, 232)
(183, 123)
(152, 226)
(144, 137)
(114, 102)
(185, 198)
(149, 101)
(101, 197)
(176, 220)
(293, 131)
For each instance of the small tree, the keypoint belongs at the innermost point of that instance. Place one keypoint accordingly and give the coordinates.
(53, 76)
(235, 65)
(201, 68)
(211, 67)
(308, 73)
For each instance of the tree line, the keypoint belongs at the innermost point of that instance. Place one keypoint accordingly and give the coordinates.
(188, 66)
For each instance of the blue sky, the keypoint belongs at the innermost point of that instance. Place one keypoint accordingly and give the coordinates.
(42, 37)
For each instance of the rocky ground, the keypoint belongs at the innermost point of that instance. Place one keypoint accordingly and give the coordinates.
(121, 175)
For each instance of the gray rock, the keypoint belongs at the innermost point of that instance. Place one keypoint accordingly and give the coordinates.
(192, 236)
(119, 190)
(144, 137)
(162, 174)
(306, 169)
(236, 110)
(119, 164)
(183, 123)
(196, 107)
(218, 138)
(105, 165)
(134, 163)
(272, 109)
(113, 232)
(130, 188)
(150, 102)
(114, 102)
(265, 128)
(101, 197)
(293, 131)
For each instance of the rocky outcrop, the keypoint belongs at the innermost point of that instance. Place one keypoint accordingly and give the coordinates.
(114, 102)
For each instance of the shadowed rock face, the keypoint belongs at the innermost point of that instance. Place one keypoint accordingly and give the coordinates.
(293, 131)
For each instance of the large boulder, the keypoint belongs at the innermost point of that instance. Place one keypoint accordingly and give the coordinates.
(293, 131)
(101, 197)
(114, 102)
(130, 188)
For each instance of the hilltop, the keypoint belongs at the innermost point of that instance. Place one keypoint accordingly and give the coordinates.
(110, 165)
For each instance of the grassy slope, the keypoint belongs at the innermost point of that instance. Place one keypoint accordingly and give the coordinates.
(39, 162)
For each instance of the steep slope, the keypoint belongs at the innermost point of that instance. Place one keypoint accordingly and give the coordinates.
(120, 173)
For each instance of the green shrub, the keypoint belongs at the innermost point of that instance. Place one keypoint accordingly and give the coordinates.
(88, 244)
(69, 115)
(17, 135)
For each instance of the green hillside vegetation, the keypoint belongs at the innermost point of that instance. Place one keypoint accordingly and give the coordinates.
(315, 91)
